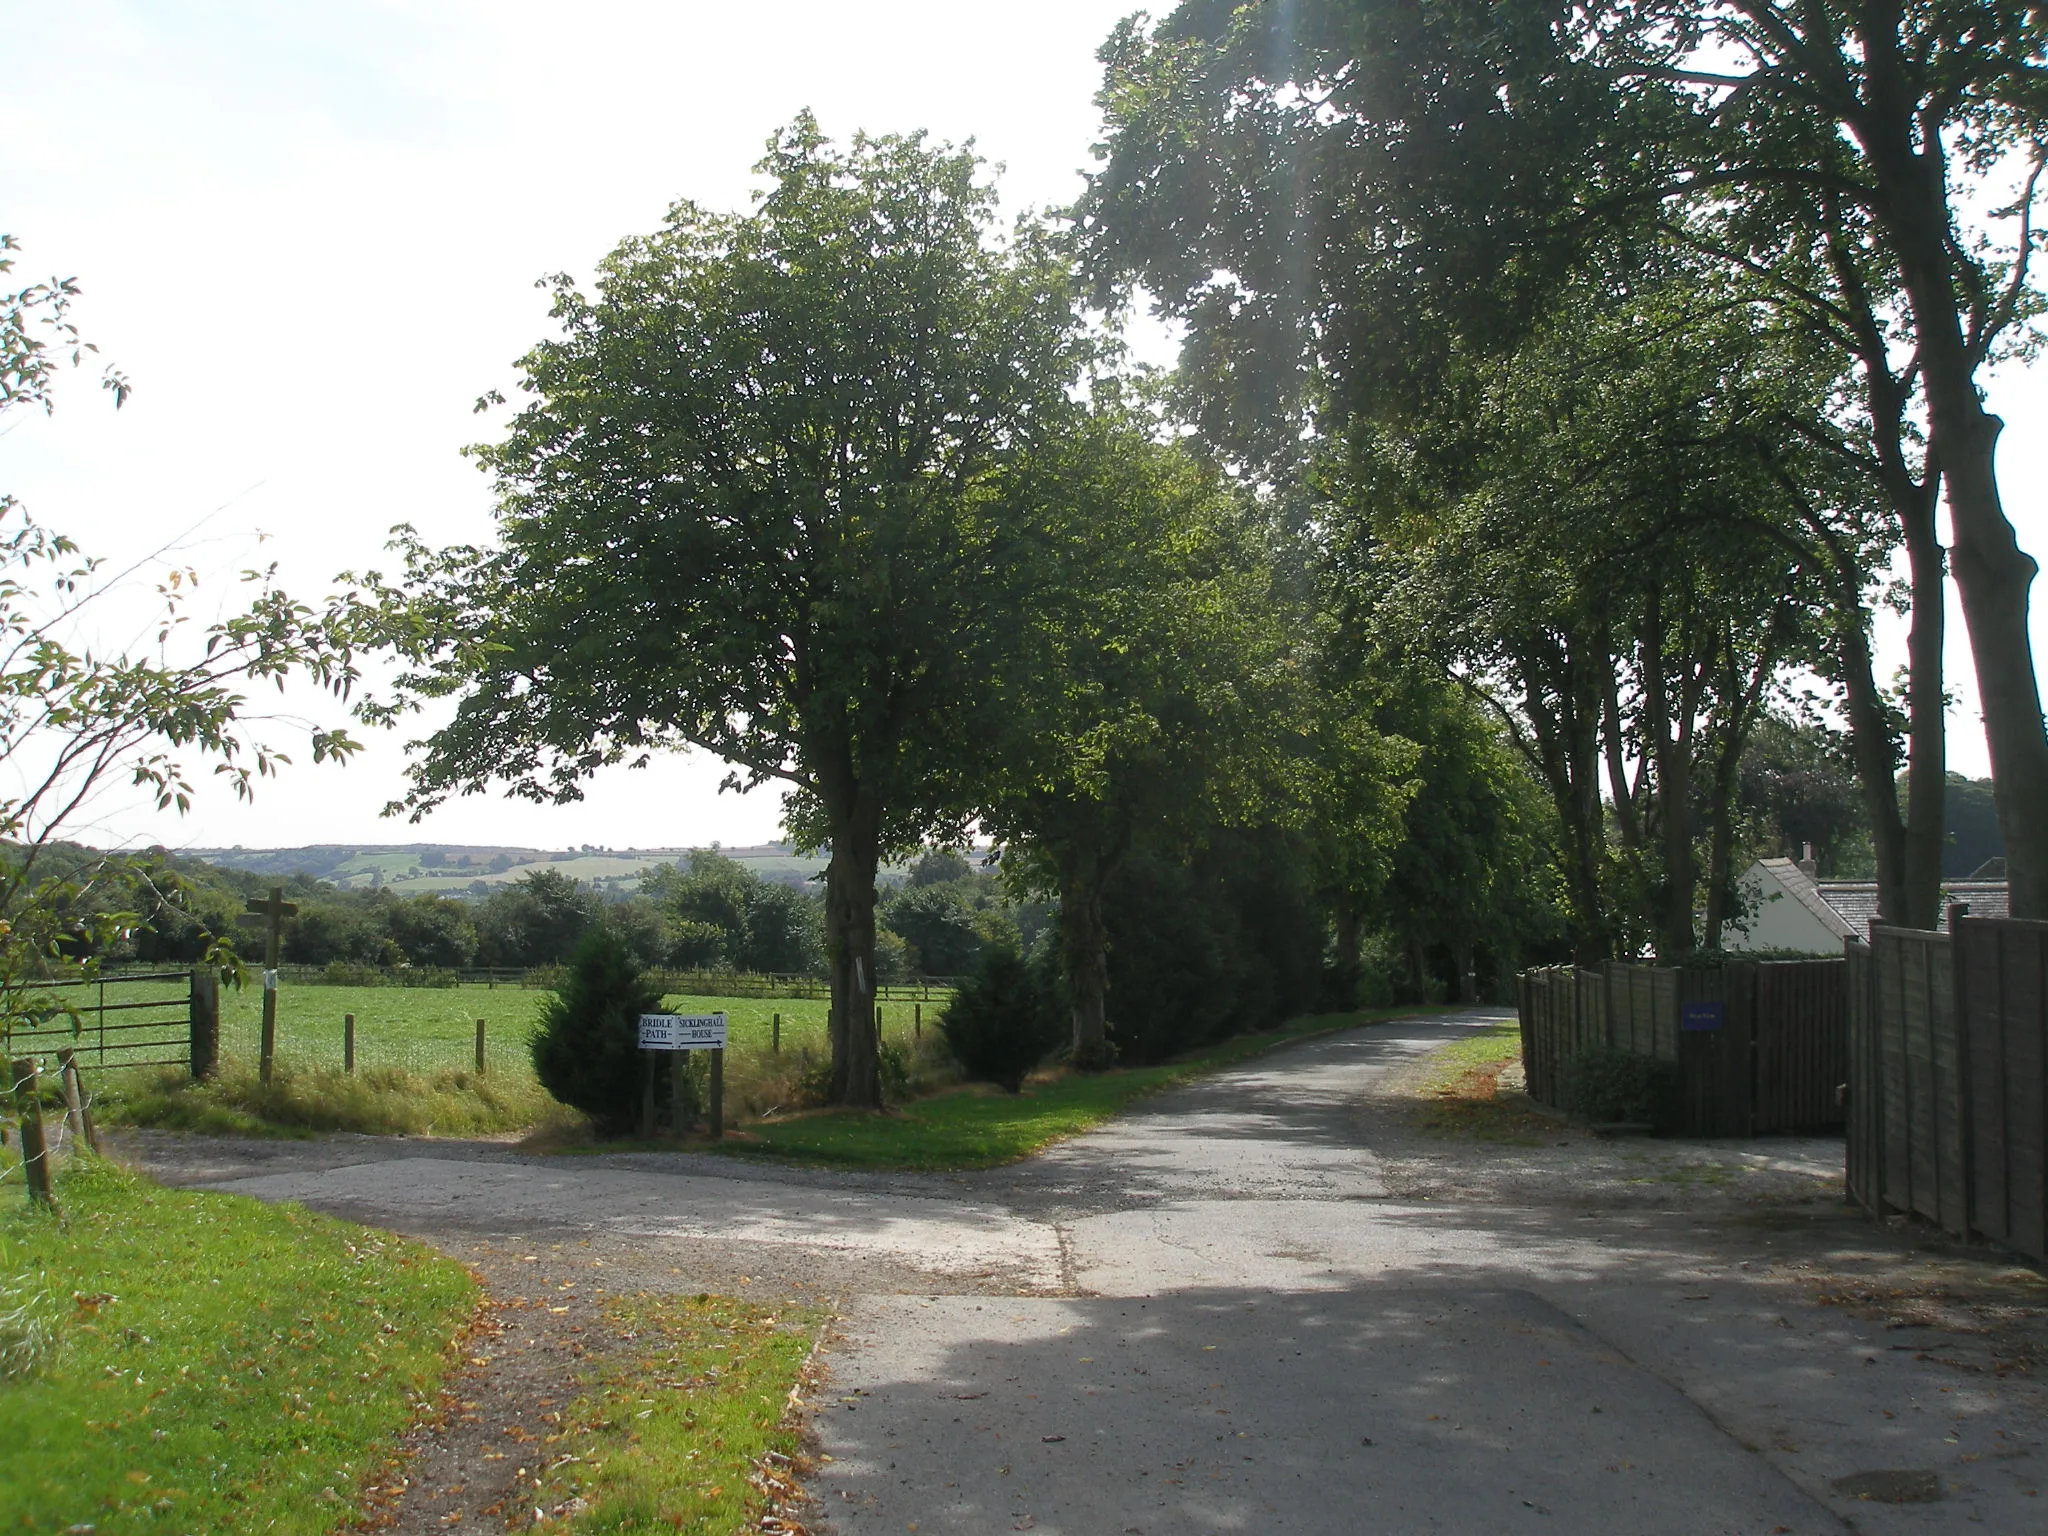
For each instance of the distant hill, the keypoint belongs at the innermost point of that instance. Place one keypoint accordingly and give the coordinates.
(414, 869)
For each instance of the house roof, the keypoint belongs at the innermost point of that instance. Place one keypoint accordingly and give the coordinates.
(1856, 900)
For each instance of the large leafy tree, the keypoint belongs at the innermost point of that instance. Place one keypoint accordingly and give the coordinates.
(1598, 531)
(764, 500)
(1332, 192)
(1156, 695)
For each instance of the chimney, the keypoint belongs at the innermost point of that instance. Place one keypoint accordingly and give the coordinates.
(1809, 866)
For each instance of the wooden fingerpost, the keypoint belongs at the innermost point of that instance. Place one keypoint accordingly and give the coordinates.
(271, 912)
(775, 1038)
(647, 1093)
(678, 1092)
(481, 1068)
(717, 1092)
(917, 1021)
(35, 1157)
(348, 1045)
(205, 1022)
(77, 1110)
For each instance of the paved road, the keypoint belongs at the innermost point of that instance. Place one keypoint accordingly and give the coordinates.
(1223, 1315)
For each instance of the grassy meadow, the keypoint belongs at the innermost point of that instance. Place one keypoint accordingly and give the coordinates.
(416, 1062)
(429, 1029)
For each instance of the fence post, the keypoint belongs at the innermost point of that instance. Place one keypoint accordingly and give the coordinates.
(35, 1157)
(77, 1112)
(266, 1055)
(348, 1045)
(205, 1022)
(775, 1038)
(717, 1092)
(917, 1021)
(646, 1093)
(480, 1067)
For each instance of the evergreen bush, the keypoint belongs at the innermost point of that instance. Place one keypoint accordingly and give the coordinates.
(586, 1051)
(1003, 1021)
(1605, 1086)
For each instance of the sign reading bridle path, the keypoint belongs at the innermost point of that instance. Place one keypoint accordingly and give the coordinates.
(680, 1032)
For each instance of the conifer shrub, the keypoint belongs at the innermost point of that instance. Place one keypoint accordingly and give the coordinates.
(1605, 1086)
(1003, 1021)
(586, 1051)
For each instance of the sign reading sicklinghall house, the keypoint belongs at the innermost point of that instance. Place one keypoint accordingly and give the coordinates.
(682, 1031)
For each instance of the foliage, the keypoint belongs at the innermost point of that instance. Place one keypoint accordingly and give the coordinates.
(1274, 176)
(75, 717)
(586, 1050)
(1799, 787)
(1605, 1086)
(765, 500)
(224, 1364)
(949, 925)
(28, 1336)
(1225, 942)
(719, 913)
(1972, 827)
(1158, 696)
(1004, 1020)
(700, 1459)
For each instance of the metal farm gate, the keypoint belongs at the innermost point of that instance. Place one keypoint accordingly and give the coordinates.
(110, 1022)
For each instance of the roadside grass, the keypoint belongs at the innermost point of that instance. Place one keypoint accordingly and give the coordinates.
(692, 1430)
(216, 1364)
(982, 1127)
(377, 1101)
(1461, 1096)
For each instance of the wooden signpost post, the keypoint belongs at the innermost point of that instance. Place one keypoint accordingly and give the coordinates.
(272, 912)
(681, 1032)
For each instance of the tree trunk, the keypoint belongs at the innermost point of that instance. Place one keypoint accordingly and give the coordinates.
(1468, 970)
(1084, 949)
(1993, 574)
(1345, 973)
(1926, 732)
(1874, 747)
(850, 951)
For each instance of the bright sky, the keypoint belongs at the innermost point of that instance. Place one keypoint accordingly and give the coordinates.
(309, 236)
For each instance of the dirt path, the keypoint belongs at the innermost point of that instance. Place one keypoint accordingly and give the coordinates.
(1267, 1301)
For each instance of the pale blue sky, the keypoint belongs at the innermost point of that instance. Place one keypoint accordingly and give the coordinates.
(309, 234)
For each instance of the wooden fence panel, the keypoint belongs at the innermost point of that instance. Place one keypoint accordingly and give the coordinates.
(1802, 1045)
(2001, 980)
(1866, 1082)
(1715, 1082)
(1921, 1064)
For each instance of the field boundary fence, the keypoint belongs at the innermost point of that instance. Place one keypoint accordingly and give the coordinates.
(699, 983)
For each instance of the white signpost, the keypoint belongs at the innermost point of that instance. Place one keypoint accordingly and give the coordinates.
(684, 1032)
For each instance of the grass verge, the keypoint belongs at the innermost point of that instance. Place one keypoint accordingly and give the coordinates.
(214, 1364)
(298, 1101)
(690, 1431)
(981, 1127)
(1461, 1096)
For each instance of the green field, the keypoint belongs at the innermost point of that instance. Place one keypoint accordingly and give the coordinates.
(427, 1029)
